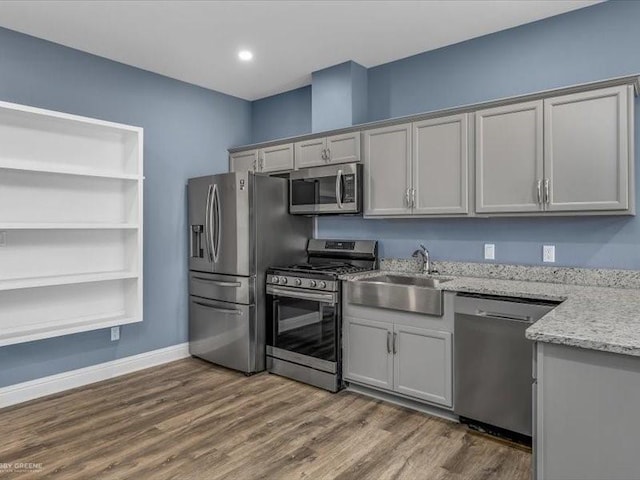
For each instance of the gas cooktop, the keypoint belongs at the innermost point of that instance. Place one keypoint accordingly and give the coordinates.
(327, 259)
(329, 267)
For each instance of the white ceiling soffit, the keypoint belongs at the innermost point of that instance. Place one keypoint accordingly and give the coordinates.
(198, 41)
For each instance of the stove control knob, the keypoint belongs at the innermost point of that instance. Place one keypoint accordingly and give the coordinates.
(313, 283)
(275, 279)
(283, 280)
(298, 282)
(323, 284)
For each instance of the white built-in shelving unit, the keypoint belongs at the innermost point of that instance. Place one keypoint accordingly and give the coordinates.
(70, 224)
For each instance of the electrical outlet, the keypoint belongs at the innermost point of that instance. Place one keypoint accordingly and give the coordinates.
(3, 239)
(489, 251)
(549, 253)
(115, 333)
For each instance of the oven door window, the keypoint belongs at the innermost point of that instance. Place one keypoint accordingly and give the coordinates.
(306, 327)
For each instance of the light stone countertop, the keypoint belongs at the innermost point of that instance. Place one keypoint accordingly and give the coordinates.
(591, 317)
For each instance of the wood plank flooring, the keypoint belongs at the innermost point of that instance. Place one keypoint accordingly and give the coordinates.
(191, 420)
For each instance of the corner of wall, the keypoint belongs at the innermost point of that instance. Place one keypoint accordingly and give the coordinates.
(359, 93)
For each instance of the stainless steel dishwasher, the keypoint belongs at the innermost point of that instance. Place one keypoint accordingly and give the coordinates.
(493, 360)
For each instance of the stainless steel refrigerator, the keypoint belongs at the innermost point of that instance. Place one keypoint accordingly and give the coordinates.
(238, 226)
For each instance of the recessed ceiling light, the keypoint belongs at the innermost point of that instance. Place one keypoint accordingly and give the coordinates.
(245, 55)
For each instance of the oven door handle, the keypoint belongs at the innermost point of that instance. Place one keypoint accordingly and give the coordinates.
(276, 319)
(293, 293)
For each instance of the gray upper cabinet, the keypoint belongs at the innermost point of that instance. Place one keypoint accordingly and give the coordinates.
(368, 352)
(344, 148)
(587, 150)
(310, 153)
(423, 364)
(440, 166)
(387, 170)
(243, 161)
(509, 158)
(572, 153)
(278, 158)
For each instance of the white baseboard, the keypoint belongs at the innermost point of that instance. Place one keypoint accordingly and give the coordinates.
(41, 387)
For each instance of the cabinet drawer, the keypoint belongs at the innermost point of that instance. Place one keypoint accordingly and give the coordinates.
(226, 288)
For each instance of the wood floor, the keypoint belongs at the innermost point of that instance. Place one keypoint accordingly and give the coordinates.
(191, 420)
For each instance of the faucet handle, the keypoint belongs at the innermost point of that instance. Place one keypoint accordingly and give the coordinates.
(423, 247)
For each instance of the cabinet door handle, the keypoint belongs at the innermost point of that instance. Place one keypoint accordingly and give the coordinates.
(407, 197)
(262, 164)
(539, 191)
(388, 342)
(413, 198)
(328, 154)
(546, 191)
(395, 343)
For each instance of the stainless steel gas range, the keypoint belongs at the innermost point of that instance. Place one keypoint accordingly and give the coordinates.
(304, 315)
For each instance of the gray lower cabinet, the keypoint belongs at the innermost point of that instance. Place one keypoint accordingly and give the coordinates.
(422, 364)
(587, 160)
(587, 420)
(509, 158)
(368, 355)
(402, 358)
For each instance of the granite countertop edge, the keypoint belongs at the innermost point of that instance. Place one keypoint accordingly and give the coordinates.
(596, 318)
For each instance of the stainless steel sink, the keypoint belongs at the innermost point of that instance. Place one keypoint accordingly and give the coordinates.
(428, 282)
(398, 292)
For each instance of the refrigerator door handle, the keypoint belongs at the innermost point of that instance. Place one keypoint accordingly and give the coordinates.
(215, 242)
(218, 282)
(207, 223)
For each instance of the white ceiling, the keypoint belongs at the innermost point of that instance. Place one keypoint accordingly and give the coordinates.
(198, 41)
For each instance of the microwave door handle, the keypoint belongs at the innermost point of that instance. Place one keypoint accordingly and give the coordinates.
(339, 188)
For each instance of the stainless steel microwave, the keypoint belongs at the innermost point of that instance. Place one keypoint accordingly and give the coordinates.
(331, 189)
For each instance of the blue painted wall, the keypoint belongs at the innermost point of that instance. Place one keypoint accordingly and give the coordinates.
(338, 96)
(187, 132)
(283, 115)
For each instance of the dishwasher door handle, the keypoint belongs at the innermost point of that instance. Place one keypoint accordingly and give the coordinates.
(505, 316)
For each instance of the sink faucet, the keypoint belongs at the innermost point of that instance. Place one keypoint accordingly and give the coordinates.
(423, 253)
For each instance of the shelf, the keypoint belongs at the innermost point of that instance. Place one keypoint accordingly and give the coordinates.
(33, 282)
(68, 226)
(71, 196)
(21, 166)
(65, 327)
